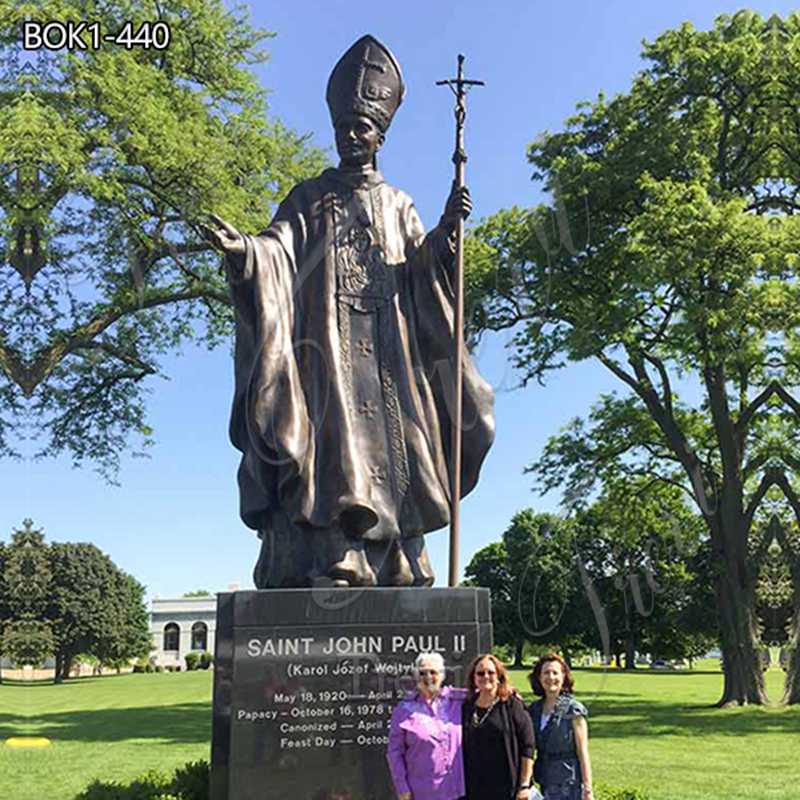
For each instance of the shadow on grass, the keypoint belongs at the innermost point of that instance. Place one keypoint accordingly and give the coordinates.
(185, 723)
(684, 673)
(82, 680)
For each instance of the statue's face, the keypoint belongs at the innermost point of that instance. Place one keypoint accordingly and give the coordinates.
(358, 138)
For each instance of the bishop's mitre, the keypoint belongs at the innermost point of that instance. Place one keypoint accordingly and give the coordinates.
(366, 80)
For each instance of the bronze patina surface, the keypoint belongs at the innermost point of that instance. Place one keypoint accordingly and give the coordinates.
(343, 407)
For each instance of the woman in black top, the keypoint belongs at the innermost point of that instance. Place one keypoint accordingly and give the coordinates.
(563, 769)
(497, 735)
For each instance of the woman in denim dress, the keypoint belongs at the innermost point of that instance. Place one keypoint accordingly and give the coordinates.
(562, 767)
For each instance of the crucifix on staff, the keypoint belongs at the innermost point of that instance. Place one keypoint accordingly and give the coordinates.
(459, 86)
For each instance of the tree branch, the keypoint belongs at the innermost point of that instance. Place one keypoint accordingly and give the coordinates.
(49, 359)
(787, 398)
(767, 480)
(757, 402)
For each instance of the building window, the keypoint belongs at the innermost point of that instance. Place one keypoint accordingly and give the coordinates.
(172, 635)
(199, 636)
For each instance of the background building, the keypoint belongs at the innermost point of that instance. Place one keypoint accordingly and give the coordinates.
(181, 625)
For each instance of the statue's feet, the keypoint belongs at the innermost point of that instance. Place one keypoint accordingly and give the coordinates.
(389, 561)
(353, 569)
(416, 554)
(341, 562)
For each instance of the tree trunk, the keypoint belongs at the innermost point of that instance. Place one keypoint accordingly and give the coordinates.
(735, 593)
(630, 624)
(791, 692)
(791, 688)
(518, 648)
(630, 651)
(57, 672)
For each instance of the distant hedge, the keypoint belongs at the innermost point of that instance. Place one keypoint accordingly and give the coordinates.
(198, 659)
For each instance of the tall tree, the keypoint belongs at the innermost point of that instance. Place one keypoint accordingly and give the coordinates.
(534, 584)
(490, 569)
(111, 158)
(94, 607)
(65, 599)
(26, 582)
(644, 539)
(674, 205)
(130, 635)
(780, 591)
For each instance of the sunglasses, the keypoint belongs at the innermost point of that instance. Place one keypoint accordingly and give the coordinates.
(482, 673)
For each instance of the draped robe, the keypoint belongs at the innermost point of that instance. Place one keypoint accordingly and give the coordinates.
(344, 365)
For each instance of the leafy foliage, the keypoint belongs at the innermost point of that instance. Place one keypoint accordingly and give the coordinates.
(623, 576)
(95, 607)
(534, 585)
(645, 551)
(111, 160)
(27, 636)
(189, 782)
(668, 254)
(66, 600)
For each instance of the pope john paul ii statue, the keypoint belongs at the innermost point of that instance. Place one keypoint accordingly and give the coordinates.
(344, 361)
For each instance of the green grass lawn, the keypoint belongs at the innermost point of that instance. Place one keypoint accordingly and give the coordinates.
(657, 730)
(112, 728)
(651, 729)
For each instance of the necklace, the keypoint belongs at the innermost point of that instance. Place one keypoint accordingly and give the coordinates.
(478, 720)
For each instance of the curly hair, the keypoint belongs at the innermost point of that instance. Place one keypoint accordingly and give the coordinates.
(535, 677)
(504, 688)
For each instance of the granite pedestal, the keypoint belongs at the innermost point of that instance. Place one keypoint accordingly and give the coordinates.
(305, 682)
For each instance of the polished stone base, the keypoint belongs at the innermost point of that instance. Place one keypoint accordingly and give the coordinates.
(305, 681)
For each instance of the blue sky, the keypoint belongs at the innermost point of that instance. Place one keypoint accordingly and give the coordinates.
(173, 522)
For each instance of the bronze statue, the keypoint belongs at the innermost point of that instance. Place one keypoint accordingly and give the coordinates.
(344, 364)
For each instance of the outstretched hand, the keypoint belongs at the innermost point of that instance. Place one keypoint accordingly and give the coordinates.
(223, 235)
(459, 204)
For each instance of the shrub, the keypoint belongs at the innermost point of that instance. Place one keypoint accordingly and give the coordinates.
(149, 786)
(189, 782)
(192, 660)
(206, 660)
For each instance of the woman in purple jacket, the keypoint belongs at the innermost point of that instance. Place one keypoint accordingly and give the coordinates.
(424, 750)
